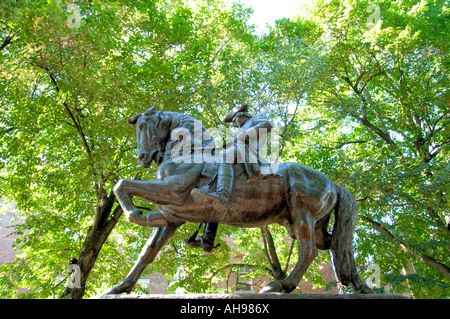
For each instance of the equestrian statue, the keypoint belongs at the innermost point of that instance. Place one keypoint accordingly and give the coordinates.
(196, 182)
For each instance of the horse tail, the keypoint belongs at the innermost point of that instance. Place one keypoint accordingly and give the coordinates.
(346, 213)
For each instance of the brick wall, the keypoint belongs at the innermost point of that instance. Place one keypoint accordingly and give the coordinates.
(157, 284)
(304, 286)
(7, 237)
(328, 276)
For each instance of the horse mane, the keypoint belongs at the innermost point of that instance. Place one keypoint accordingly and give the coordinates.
(168, 120)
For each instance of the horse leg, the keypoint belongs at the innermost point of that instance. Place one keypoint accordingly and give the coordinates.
(304, 228)
(151, 219)
(154, 244)
(172, 190)
(322, 238)
(154, 191)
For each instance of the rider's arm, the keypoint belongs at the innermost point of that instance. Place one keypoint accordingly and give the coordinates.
(258, 121)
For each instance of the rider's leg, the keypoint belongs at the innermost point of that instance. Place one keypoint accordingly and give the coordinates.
(220, 198)
(207, 240)
(225, 181)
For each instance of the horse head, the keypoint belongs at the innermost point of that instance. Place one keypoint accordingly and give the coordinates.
(163, 134)
(149, 137)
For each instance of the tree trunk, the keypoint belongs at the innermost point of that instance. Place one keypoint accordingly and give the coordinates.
(271, 255)
(92, 245)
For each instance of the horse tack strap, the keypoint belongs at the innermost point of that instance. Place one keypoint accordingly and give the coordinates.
(194, 236)
(210, 170)
(212, 181)
(240, 172)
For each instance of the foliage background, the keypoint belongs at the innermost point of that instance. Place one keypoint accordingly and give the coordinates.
(368, 105)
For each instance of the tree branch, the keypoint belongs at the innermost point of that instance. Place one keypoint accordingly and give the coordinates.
(342, 144)
(72, 117)
(5, 43)
(429, 261)
(271, 254)
(286, 266)
(364, 121)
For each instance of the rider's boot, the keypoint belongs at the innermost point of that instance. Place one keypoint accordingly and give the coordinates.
(206, 241)
(220, 198)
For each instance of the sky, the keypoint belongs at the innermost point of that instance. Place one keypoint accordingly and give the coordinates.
(267, 11)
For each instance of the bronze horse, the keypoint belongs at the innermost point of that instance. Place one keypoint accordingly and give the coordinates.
(298, 197)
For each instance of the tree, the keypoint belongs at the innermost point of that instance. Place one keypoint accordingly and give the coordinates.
(372, 115)
(378, 123)
(70, 81)
(358, 90)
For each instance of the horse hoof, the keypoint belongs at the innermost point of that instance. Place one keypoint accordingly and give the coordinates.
(273, 286)
(109, 291)
(120, 288)
(365, 290)
(278, 286)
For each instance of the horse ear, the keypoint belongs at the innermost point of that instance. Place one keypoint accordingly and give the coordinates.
(134, 119)
(150, 110)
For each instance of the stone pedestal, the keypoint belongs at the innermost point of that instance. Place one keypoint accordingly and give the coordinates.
(255, 297)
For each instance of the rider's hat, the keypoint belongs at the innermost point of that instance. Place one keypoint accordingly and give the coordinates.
(237, 109)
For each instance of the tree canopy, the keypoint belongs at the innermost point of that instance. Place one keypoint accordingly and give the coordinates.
(359, 91)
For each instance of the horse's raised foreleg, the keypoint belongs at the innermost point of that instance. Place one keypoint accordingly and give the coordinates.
(154, 244)
(172, 190)
(151, 219)
(304, 231)
(155, 191)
